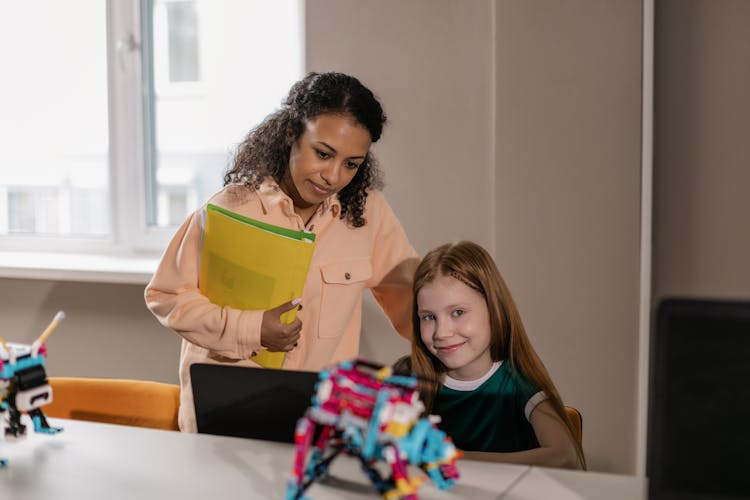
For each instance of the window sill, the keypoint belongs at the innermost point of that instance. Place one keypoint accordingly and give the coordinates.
(77, 267)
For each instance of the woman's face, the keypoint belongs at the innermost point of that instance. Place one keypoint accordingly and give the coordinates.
(454, 323)
(325, 158)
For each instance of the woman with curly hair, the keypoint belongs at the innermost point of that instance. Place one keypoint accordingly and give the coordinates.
(306, 166)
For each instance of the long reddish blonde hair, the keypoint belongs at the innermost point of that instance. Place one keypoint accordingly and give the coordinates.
(469, 263)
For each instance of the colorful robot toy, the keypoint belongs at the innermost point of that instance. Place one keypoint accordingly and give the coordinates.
(367, 412)
(23, 385)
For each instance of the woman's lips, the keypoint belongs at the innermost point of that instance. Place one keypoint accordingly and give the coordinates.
(319, 190)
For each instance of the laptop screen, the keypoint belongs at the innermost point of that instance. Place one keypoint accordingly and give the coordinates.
(256, 403)
(699, 401)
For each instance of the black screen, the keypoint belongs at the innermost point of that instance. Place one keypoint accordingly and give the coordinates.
(699, 403)
(253, 403)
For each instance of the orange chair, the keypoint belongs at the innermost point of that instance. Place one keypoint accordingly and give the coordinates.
(576, 419)
(138, 403)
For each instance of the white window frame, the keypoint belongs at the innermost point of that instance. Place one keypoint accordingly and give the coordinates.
(129, 234)
(130, 253)
(128, 133)
(163, 86)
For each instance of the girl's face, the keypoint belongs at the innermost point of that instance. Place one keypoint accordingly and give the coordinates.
(455, 326)
(324, 159)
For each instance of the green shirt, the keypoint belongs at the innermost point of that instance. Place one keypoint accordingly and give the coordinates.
(491, 417)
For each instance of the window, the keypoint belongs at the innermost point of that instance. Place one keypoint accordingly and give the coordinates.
(21, 216)
(182, 41)
(53, 124)
(120, 117)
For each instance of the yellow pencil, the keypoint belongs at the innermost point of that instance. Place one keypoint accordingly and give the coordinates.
(55, 321)
(47, 332)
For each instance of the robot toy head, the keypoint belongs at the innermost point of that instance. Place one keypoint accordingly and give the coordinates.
(23, 376)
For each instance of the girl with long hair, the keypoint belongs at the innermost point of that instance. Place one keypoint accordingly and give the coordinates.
(479, 371)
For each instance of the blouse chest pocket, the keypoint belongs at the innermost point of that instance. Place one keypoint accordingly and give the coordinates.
(343, 283)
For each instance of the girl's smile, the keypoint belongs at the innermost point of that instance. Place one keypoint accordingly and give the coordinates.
(450, 348)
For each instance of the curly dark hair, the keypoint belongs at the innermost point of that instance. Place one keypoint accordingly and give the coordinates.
(265, 150)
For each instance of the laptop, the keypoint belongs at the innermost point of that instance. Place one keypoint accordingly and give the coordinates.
(699, 401)
(256, 403)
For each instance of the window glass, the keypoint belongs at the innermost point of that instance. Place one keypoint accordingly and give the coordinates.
(218, 68)
(53, 124)
(188, 80)
(182, 46)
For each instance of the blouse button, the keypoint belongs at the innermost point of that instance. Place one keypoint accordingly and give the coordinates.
(347, 276)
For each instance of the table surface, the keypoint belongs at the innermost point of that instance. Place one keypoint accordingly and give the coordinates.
(102, 461)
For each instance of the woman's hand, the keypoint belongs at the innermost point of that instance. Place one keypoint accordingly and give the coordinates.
(277, 336)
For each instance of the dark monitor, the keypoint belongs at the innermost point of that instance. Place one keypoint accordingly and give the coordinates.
(699, 401)
(256, 403)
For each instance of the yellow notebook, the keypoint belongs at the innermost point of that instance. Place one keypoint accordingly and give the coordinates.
(249, 264)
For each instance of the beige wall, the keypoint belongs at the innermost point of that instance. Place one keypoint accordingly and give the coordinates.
(568, 202)
(513, 123)
(524, 119)
(430, 63)
(107, 331)
(702, 149)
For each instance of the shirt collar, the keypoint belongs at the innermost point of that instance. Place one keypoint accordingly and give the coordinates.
(470, 385)
(271, 194)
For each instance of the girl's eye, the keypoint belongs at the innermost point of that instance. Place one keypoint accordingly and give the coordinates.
(458, 312)
(323, 155)
(352, 166)
(427, 317)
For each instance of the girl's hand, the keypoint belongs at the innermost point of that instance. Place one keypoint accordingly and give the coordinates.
(276, 336)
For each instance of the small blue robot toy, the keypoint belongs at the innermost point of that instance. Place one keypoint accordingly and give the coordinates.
(23, 385)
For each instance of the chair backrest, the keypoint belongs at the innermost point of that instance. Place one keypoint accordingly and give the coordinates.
(138, 403)
(577, 420)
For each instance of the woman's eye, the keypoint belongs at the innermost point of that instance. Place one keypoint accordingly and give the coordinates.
(323, 155)
(427, 317)
(352, 166)
(458, 312)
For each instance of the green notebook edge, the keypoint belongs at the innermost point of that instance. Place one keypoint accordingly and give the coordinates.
(282, 231)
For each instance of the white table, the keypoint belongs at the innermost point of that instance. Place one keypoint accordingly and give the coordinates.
(539, 483)
(100, 461)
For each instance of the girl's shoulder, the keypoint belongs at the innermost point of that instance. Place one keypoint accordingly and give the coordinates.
(520, 383)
